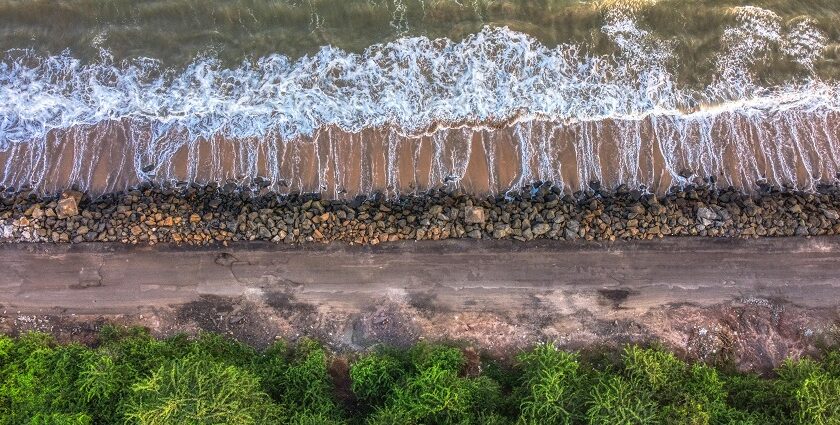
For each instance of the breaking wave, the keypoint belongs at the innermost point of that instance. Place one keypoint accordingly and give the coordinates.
(415, 85)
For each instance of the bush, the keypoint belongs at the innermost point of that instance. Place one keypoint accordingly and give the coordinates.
(426, 389)
(818, 400)
(616, 400)
(199, 390)
(131, 377)
(39, 381)
(551, 388)
(374, 377)
(306, 386)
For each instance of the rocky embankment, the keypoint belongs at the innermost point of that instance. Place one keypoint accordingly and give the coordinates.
(195, 214)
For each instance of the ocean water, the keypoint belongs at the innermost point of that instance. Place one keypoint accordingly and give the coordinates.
(399, 96)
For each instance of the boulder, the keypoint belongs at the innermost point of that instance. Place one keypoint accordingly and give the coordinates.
(540, 229)
(67, 207)
(830, 214)
(706, 215)
(474, 215)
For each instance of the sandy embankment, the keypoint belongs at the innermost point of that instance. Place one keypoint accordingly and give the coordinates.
(750, 301)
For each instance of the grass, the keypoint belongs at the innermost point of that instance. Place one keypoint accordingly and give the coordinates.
(129, 377)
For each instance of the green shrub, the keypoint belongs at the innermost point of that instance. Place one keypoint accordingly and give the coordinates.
(617, 400)
(131, 377)
(435, 396)
(199, 390)
(426, 356)
(40, 380)
(655, 371)
(818, 399)
(223, 349)
(433, 392)
(374, 377)
(306, 385)
(757, 397)
(551, 386)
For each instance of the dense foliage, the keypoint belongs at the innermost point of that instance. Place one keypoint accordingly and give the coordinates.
(131, 377)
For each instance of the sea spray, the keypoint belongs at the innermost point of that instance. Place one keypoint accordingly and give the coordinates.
(495, 83)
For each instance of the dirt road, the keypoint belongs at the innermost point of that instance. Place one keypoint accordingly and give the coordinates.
(500, 294)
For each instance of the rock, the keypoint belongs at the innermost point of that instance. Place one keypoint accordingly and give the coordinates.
(195, 218)
(528, 234)
(75, 194)
(705, 213)
(474, 215)
(475, 234)
(830, 214)
(540, 229)
(67, 207)
(136, 230)
(36, 212)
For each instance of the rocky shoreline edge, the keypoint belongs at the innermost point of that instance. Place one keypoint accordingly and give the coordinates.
(212, 214)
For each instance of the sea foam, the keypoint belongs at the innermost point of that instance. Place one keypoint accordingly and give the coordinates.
(415, 85)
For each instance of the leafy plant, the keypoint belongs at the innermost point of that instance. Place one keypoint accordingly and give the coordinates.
(198, 390)
(616, 400)
(551, 386)
(374, 377)
(132, 377)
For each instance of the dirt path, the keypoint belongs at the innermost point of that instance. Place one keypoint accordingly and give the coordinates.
(778, 296)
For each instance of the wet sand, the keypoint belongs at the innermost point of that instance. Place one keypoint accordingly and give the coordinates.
(798, 149)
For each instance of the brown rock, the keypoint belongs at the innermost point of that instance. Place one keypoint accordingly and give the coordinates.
(67, 207)
(474, 215)
(195, 218)
(37, 212)
(76, 195)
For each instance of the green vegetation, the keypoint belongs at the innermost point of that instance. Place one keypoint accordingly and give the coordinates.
(131, 377)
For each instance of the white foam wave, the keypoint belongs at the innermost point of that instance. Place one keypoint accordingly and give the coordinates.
(419, 86)
(411, 83)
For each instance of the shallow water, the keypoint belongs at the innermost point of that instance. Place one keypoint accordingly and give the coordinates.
(357, 96)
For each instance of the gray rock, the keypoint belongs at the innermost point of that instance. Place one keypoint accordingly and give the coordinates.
(475, 234)
(705, 213)
(829, 214)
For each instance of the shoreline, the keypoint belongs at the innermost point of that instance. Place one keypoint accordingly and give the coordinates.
(210, 215)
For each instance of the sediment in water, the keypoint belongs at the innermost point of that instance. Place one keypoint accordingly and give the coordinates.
(198, 215)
